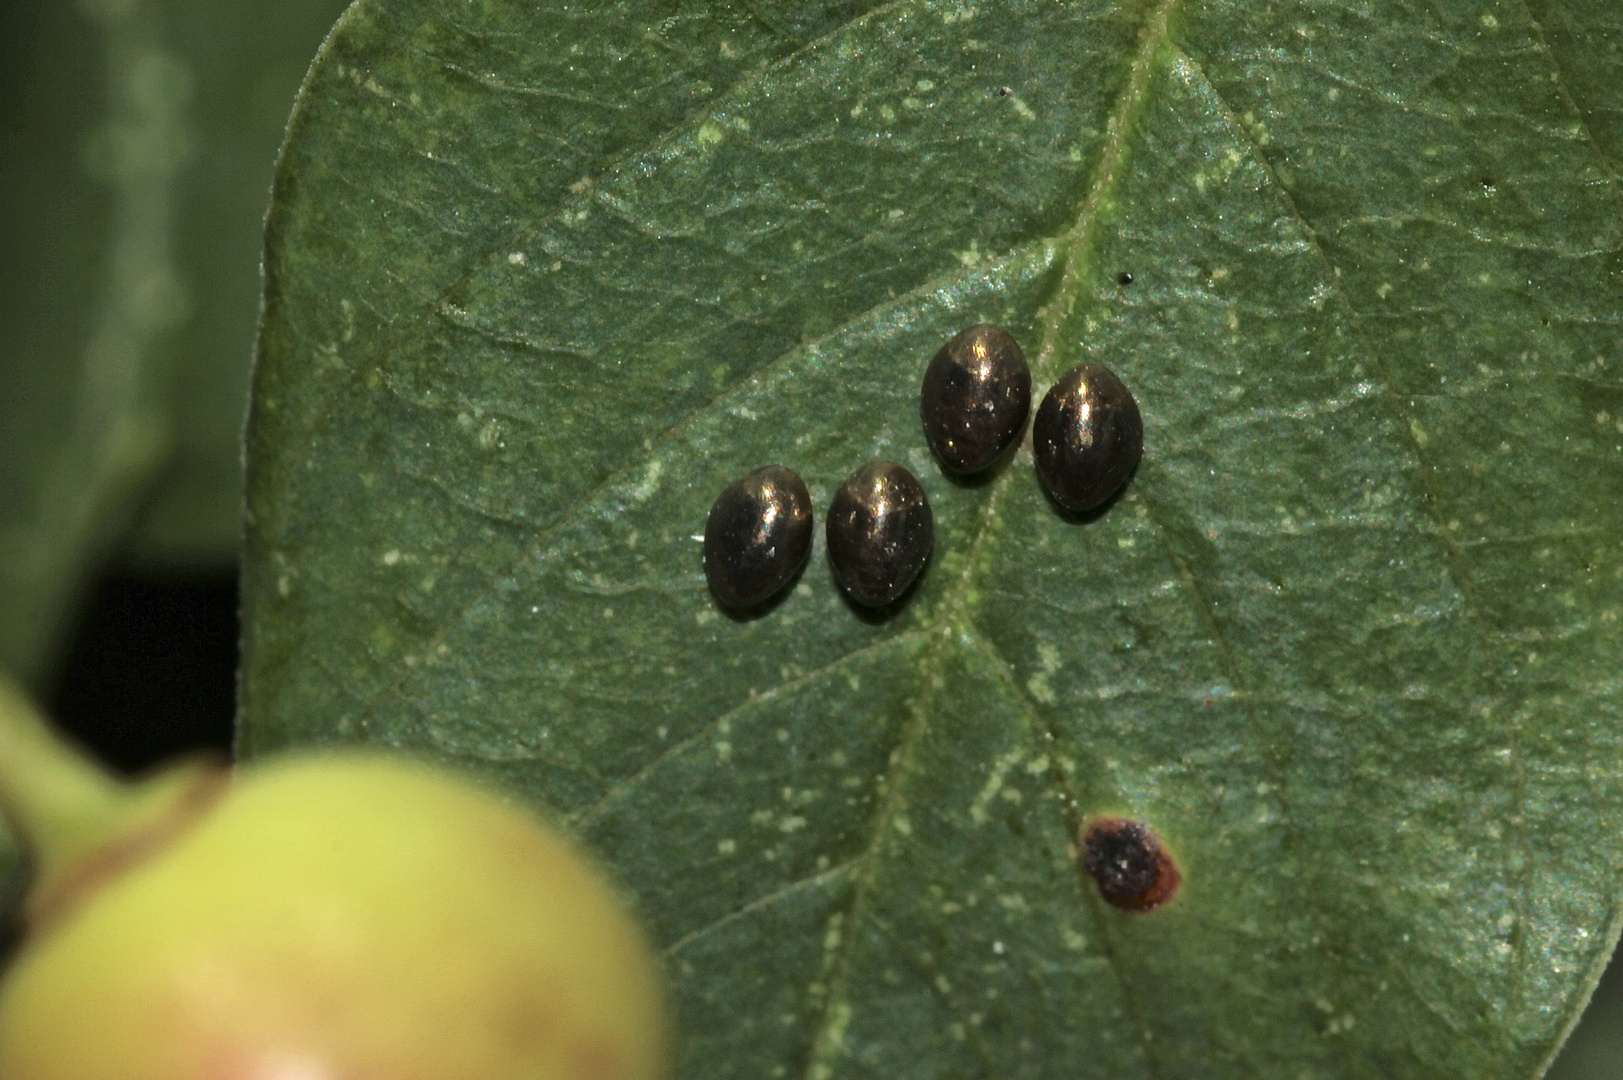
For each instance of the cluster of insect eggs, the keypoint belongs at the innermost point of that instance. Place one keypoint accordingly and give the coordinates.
(1087, 438)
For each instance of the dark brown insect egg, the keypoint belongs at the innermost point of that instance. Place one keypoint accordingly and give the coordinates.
(1133, 871)
(880, 531)
(1087, 437)
(976, 394)
(758, 536)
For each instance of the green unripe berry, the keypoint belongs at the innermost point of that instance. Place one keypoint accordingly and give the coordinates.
(341, 917)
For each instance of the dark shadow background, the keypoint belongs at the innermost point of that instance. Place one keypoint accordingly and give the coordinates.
(151, 671)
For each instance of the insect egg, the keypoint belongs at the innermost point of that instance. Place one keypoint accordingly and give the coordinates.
(976, 394)
(758, 536)
(1087, 437)
(880, 531)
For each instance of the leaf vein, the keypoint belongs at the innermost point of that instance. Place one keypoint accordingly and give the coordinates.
(483, 260)
(590, 814)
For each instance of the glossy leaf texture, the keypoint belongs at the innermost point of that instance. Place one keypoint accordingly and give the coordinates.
(543, 278)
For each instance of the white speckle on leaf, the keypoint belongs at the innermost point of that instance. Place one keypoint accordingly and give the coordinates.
(726, 847)
(649, 483)
(391, 557)
(516, 258)
(993, 785)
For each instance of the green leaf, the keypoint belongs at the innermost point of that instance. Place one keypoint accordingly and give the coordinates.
(81, 425)
(243, 60)
(137, 152)
(543, 278)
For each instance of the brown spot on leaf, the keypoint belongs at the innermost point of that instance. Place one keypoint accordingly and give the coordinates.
(1133, 871)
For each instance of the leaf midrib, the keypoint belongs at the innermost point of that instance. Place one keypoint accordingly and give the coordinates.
(1074, 246)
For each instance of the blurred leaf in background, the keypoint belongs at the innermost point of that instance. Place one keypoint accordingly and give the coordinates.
(137, 139)
(136, 144)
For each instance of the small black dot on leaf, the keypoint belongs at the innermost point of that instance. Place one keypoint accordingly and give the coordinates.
(1124, 278)
(1133, 871)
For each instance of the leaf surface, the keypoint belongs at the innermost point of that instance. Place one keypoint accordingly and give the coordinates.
(542, 279)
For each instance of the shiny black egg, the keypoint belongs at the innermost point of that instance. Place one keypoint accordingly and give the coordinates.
(1087, 437)
(880, 532)
(758, 536)
(976, 394)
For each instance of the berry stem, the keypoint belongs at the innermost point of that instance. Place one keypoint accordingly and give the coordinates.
(56, 798)
(79, 823)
